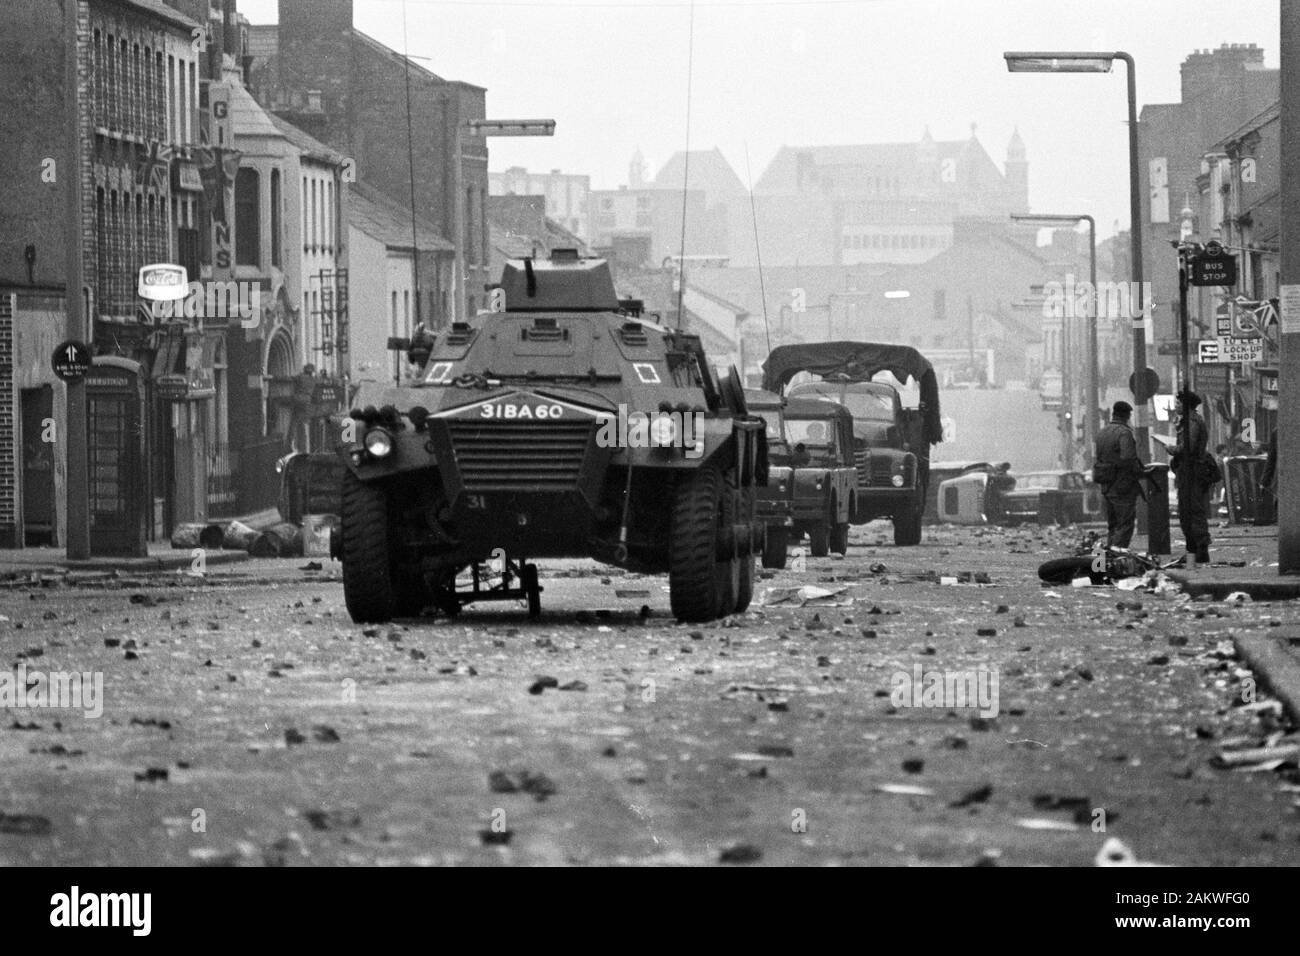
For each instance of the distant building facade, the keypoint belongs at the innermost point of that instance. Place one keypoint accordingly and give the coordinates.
(567, 194)
(884, 203)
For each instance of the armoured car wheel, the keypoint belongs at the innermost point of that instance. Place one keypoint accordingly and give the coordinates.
(693, 546)
(774, 546)
(728, 568)
(367, 564)
(411, 594)
(528, 581)
(819, 541)
(907, 526)
(840, 538)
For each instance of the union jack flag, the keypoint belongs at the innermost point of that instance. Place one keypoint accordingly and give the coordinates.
(151, 171)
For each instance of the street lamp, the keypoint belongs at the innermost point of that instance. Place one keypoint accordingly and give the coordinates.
(1099, 62)
(484, 128)
(1094, 388)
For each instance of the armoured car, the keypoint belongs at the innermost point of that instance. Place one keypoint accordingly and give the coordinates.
(564, 423)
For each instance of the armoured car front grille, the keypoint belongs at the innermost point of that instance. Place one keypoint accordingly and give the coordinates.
(507, 456)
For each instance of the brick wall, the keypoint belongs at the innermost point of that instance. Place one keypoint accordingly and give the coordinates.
(124, 90)
(362, 114)
(8, 429)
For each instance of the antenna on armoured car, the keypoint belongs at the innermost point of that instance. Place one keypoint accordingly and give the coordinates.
(758, 252)
(686, 168)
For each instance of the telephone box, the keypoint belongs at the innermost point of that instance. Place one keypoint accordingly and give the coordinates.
(116, 449)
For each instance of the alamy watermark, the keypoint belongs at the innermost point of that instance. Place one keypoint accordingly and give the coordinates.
(1076, 298)
(233, 301)
(56, 690)
(676, 429)
(971, 689)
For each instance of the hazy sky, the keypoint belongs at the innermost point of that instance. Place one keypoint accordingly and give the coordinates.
(811, 72)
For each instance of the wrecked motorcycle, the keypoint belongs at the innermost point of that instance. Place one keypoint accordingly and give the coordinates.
(1103, 564)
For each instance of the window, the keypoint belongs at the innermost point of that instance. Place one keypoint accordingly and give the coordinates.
(314, 221)
(302, 205)
(248, 222)
(275, 217)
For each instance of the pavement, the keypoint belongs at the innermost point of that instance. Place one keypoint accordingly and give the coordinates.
(161, 556)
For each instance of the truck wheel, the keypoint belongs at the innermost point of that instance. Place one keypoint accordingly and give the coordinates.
(693, 546)
(774, 546)
(840, 538)
(819, 541)
(907, 526)
(528, 581)
(368, 588)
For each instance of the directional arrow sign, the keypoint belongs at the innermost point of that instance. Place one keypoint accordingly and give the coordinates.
(1207, 351)
(71, 360)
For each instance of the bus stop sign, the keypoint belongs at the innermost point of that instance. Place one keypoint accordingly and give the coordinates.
(1214, 267)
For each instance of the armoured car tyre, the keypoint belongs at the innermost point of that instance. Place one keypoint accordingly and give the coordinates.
(412, 596)
(819, 541)
(840, 538)
(728, 569)
(367, 573)
(907, 527)
(693, 547)
(774, 547)
(528, 581)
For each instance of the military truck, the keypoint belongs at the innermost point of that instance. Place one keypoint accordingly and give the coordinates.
(773, 502)
(892, 442)
(824, 479)
(563, 424)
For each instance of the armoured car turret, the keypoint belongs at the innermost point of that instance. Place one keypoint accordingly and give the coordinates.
(563, 424)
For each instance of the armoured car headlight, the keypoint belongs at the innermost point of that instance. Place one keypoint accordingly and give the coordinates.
(378, 443)
(898, 481)
(663, 432)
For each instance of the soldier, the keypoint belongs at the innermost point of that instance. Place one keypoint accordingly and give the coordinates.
(1193, 488)
(1119, 471)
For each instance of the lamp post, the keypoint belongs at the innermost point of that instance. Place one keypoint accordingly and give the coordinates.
(1099, 62)
(1094, 376)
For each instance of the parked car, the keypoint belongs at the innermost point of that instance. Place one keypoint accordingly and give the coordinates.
(1057, 496)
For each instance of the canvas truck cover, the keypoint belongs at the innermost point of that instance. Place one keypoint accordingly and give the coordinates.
(858, 361)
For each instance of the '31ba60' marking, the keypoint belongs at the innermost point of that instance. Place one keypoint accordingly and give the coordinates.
(505, 410)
